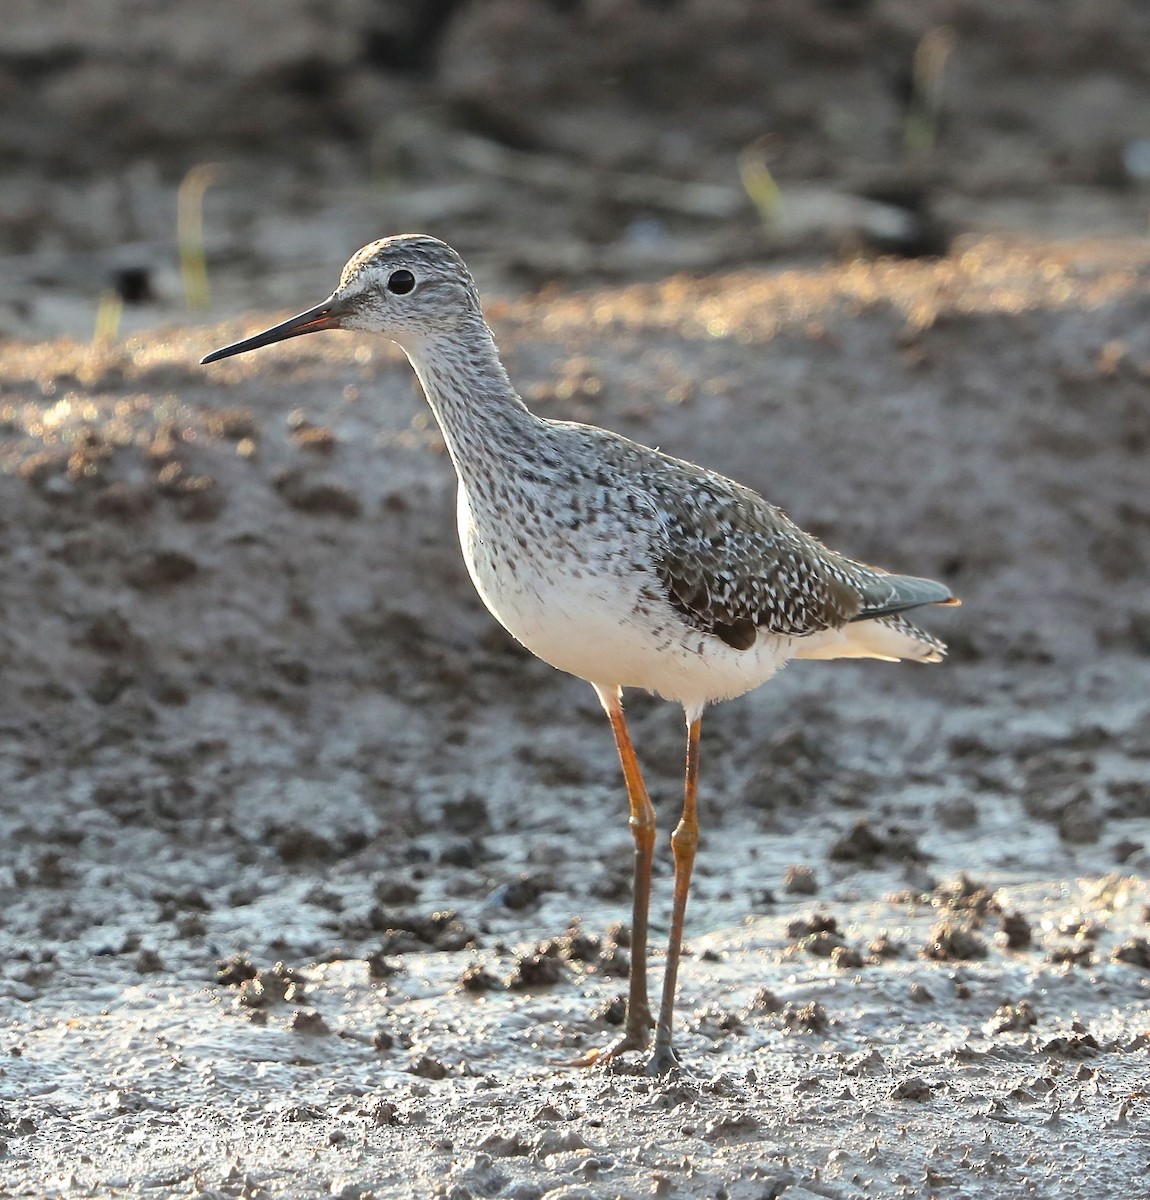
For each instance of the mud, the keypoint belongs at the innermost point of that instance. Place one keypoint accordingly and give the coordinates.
(285, 738)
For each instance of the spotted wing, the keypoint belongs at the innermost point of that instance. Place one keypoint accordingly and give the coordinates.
(734, 564)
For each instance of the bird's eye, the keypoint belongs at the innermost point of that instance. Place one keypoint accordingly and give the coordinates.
(401, 282)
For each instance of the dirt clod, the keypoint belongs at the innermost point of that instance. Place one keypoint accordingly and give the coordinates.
(915, 1089)
(149, 962)
(958, 814)
(966, 895)
(108, 632)
(886, 946)
(765, 1001)
(576, 945)
(298, 843)
(405, 932)
(272, 986)
(234, 970)
(806, 1018)
(477, 978)
(1010, 1018)
(317, 439)
(954, 941)
(612, 1011)
(383, 1112)
(232, 424)
(1081, 820)
(500, 1145)
(465, 852)
(1130, 799)
(308, 1020)
(737, 1125)
(427, 1066)
(822, 944)
(618, 933)
(380, 966)
(1136, 952)
(1015, 931)
(846, 958)
(299, 1113)
(521, 892)
(866, 846)
(1071, 954)
(800, 881)
(1079, 1043)
(160, 568)
(469, 814)
(395, 891)
(535, 970)
(317, 497)
(802, 927)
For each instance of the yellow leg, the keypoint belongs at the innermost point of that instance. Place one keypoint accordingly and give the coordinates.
(684, 841)
(638, 1022)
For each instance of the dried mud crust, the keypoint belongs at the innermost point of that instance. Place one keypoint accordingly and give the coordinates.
(293, 836)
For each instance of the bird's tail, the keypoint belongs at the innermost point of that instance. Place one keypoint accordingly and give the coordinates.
(891, 638)
(880, 630)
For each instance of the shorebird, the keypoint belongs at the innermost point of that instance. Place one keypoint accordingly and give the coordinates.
(612, 561)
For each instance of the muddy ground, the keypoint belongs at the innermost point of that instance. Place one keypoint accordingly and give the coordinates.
(310, 878)
(254, 715)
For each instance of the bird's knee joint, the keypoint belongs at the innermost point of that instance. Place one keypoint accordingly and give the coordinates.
(643, 828)
(685, 838)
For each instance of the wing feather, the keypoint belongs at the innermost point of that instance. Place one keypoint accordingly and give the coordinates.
(735, 565)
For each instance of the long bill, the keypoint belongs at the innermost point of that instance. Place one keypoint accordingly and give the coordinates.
(327, 315)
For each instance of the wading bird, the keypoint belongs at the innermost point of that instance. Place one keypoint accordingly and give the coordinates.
(612, 561)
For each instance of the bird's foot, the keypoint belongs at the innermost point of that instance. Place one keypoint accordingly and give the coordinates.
(663, 1061)
(604, 1054)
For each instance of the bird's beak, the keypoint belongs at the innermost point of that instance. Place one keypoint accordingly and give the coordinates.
(328, 315)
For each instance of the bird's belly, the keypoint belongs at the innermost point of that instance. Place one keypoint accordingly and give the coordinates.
(606, 621)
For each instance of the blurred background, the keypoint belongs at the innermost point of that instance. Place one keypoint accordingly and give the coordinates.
(548, 139)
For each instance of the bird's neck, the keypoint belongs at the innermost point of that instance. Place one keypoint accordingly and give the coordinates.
(478, 410)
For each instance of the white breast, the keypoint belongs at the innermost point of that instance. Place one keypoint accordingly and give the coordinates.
(595, 610)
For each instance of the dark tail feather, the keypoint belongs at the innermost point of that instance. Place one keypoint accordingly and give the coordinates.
(886, 595)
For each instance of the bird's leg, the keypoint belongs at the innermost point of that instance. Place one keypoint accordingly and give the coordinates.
(683, 843)
(638, 1023)
(637, 1030)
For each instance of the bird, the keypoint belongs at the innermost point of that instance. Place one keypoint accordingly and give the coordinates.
(615, 562)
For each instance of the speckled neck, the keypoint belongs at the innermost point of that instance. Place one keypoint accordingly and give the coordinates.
(481, 415)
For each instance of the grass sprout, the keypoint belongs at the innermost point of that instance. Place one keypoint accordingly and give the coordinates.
(920, 130)
(190, 233)
(108, 314)
(759, 183)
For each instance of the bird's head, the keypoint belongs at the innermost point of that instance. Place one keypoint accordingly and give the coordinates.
(407, 287)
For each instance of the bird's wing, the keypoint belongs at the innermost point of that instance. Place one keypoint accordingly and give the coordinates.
(733, 565)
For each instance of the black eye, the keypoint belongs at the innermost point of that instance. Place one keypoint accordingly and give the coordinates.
(401, 282)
